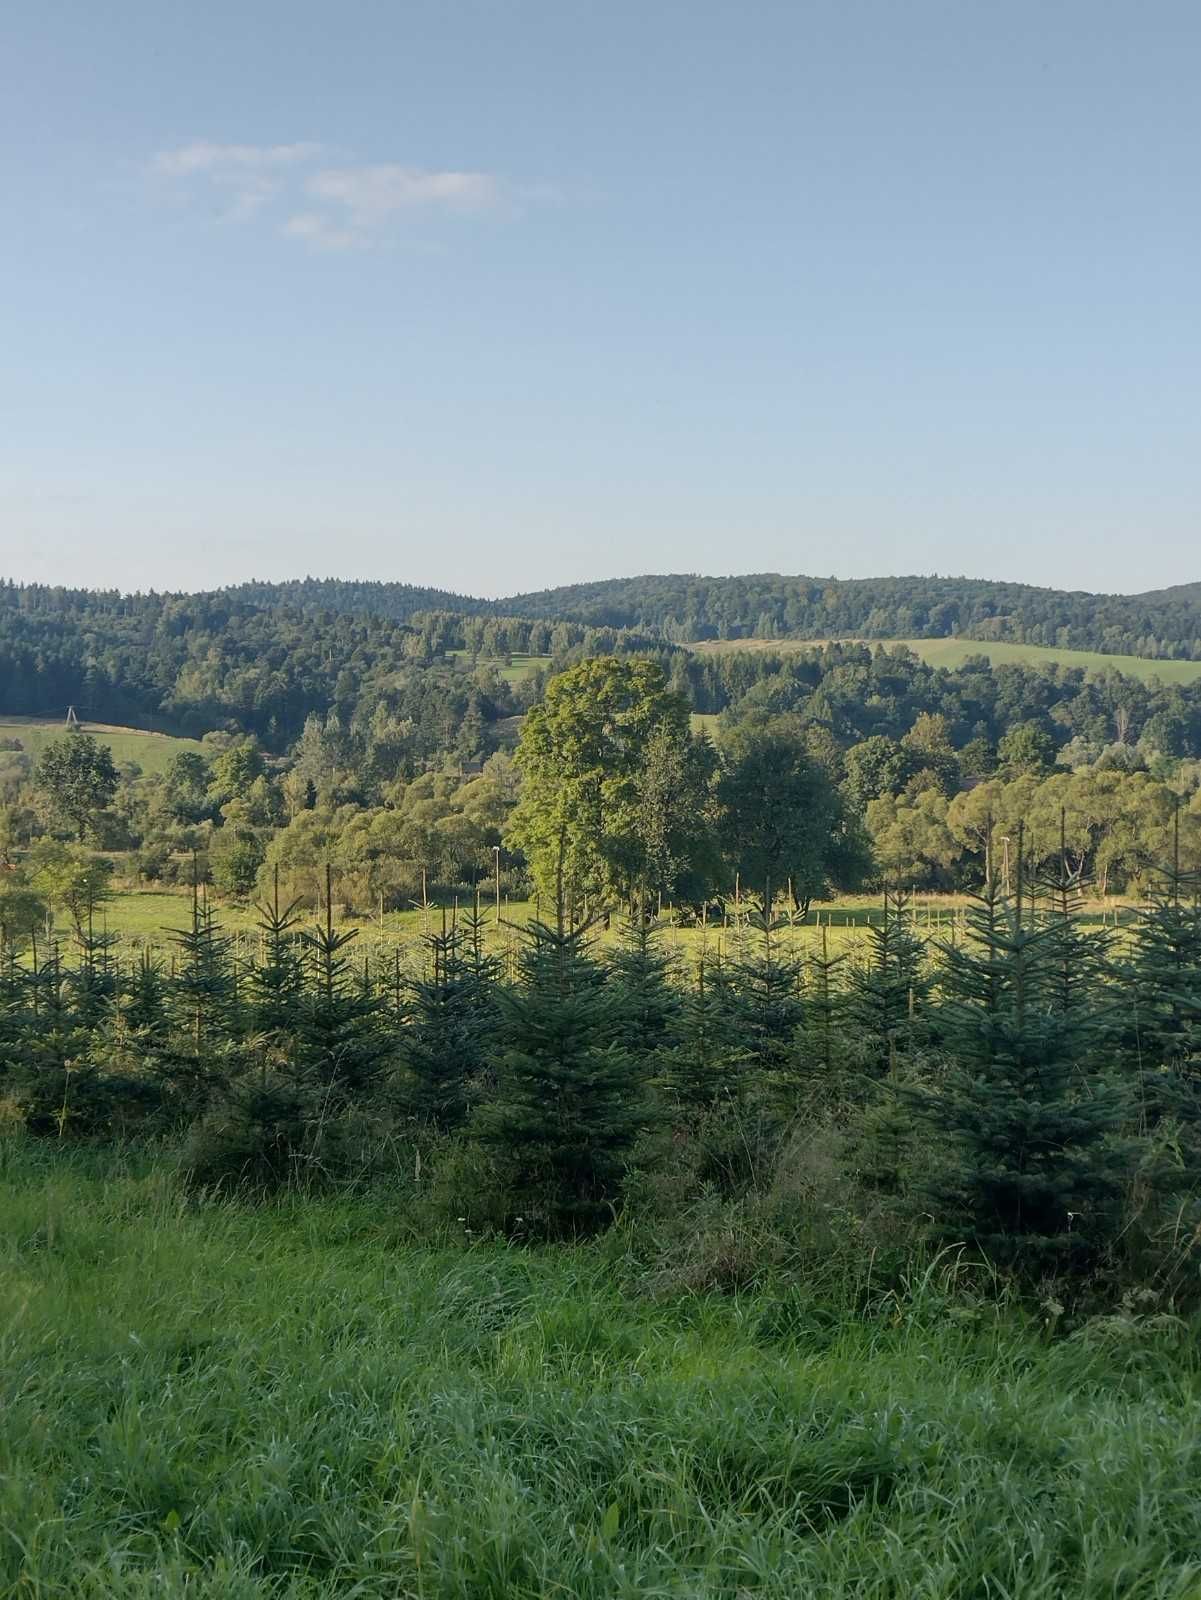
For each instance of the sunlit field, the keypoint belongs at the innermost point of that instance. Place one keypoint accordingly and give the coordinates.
(954, 652)
(151, 751)
(154, 917)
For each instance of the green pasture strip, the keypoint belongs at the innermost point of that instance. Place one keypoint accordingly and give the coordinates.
(954, 652)
(151, 751)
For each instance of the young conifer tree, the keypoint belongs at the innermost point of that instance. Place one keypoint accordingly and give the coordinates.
(1079, 958)
(144, 1000)
(570, 1099)
(203, 1003)
(766, 980)
(127, 1042)
(344, 1044)
(451, 1024)
(14, 1010)
(1162, 1032)
(1035, 1162)
(888, 995)
(640, 979)
(1163, 971)
(53, 1076)
(710, 1063)
(92, 978)
(294, 1065)
(274, 991)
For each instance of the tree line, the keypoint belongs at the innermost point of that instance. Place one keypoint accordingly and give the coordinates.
(191, 664)
(766, 606)
(1165, 624)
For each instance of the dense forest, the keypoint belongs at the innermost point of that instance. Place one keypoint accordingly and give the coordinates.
(193, 663)
(770, 606)
(1165, 624)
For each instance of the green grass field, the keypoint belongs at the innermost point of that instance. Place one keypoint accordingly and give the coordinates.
(202, 1401)
(151, 751)
(954, 652)
(520, 668)
(150, 917)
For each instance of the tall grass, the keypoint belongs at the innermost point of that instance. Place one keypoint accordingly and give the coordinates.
(300, 1400)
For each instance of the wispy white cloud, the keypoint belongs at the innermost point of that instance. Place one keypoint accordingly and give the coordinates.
(204, 156)
(245, 176)
(372, 193)
(324, 206)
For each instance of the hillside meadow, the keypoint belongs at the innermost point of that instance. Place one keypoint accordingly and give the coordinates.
(517, 669)
(315, 1398)
(151, 751)
(953, 653)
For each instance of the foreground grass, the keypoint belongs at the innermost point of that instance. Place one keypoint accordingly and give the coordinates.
(300, 1401)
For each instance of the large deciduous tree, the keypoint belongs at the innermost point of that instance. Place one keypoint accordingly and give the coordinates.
(78, 777)
(782, 820)
(612, 789)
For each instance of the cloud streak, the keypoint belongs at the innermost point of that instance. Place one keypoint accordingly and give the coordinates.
(203, 156)
(325, 207)
(372, 193)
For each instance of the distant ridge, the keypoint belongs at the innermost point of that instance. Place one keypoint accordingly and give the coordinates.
(1162, 624)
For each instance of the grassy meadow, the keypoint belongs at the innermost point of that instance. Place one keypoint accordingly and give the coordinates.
(954, 652)
(306, 1399)
(519, 667)
(151, 751)
(150, 916)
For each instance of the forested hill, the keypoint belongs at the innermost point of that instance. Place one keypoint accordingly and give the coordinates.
(396, 601)
(1162, 625)
(265, 658)
(263, 663)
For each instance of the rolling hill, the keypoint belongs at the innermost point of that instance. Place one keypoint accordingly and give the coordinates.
(1162, 624)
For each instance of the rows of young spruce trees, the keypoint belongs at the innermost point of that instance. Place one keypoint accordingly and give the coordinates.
(1025, 1085)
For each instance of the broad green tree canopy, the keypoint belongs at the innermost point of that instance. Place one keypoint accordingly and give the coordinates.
(598, 798)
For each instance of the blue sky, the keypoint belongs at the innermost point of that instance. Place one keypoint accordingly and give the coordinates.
(503, 295)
